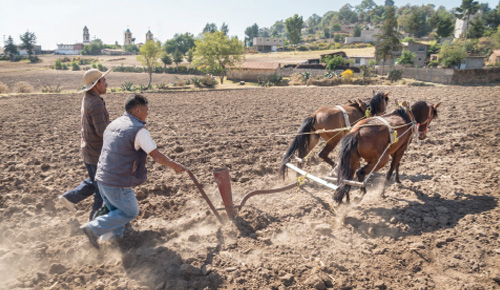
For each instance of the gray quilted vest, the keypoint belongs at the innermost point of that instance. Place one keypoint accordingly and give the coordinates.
(120, 165)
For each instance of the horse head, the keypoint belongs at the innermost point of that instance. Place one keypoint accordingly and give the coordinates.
(378, 103)
(424, 114)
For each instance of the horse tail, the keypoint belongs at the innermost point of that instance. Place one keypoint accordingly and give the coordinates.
(348, 152)
(300, 143)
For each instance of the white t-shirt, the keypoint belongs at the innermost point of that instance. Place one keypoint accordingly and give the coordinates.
(143, 140)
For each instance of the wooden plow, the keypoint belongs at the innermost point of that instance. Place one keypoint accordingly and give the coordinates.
(223, 181)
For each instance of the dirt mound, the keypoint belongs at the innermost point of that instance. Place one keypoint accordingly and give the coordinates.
(437, 230)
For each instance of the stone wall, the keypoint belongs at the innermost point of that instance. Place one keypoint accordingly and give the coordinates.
(252, 75)
(452, 76)
(476, 76)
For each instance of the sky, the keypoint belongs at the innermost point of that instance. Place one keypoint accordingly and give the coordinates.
(62, 21)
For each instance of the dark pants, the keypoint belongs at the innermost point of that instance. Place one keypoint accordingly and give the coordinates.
(87, 188)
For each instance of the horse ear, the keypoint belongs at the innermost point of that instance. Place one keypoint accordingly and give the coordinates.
(397, 102)
(373, 92)
(437, 105)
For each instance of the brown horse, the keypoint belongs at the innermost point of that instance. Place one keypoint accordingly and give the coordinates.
(329, 118)
(370, 138)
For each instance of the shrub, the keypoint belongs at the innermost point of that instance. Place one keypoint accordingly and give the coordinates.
(94, 65)
(395, 75)
(75, 66)
(347, 74)
(51, 89)
(162, 86)
(101, 67)
(406, 58)
(268, 81)
(451, 55)
(58, 65)
(3, 88)
(22, 87)
(64, 66)
(433, 63)
(209, 81)
(127, 86)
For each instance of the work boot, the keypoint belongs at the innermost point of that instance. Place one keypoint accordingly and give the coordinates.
(90, 235)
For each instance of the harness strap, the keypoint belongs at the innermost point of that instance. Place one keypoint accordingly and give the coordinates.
(346, 117)
(392, 136)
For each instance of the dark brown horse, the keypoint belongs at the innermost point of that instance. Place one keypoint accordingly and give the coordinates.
(329, 118)
(370, 138)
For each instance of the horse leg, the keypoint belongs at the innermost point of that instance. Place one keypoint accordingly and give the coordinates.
(329, 148)
(370, 166)
(396, 158)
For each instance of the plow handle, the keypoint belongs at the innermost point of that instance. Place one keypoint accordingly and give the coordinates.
(198, 185)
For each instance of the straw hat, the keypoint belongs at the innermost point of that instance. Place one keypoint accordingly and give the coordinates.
(91, 77)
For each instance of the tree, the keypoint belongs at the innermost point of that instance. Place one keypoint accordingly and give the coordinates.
(476, 29)
(451, 55)
(149, 55)
(333, 62)
(251, 32)
(190, 55)
(132, 48)
(293, 27)
(336, 27)
(416, 22)
(177, 57)
(445, 26)
(278, 28)
(388, 37)
(215, 53)
(210, 28)
(357, 31)
(180, 42)
(406, 58)
(10, 48)
(468, 8)
(28, 41)
(389, 3)
(224, 28)
(94, 48)
(313, 22)
(166, 59)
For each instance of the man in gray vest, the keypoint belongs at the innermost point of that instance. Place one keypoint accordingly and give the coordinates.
(122, 165)
(95, 118)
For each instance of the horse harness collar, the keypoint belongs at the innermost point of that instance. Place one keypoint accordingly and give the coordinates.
(346, 116)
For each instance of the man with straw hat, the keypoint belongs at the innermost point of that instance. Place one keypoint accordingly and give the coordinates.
(95, 118)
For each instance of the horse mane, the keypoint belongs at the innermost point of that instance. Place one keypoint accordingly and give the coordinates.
(376, 101)
(421, 111)
(402, 113)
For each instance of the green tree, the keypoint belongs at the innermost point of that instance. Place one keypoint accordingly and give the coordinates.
(388, 37)
(389, 3)
(149, 55)
(180, 42)
(178, 57)
(468, 8)
(210, 28)
(28, 41)
(190, 54)
(10, 48)
(251, 32)
(293, 28)
(333, 62)
(166, 59)
(94, 48)
(215, 53)
(132, 48)
(224, 28)
(407, 58)
(357, 31)
(476, 28)
(451, 55)
(416, 23)
(445, 26)
(278, 28)
(336, 27)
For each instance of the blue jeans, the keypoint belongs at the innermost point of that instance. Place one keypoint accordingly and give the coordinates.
(123, 208)
(87, 188)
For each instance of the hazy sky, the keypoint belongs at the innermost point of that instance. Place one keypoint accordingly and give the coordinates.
(62, 21)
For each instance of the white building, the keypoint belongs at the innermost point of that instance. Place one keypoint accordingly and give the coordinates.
(266, 44)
